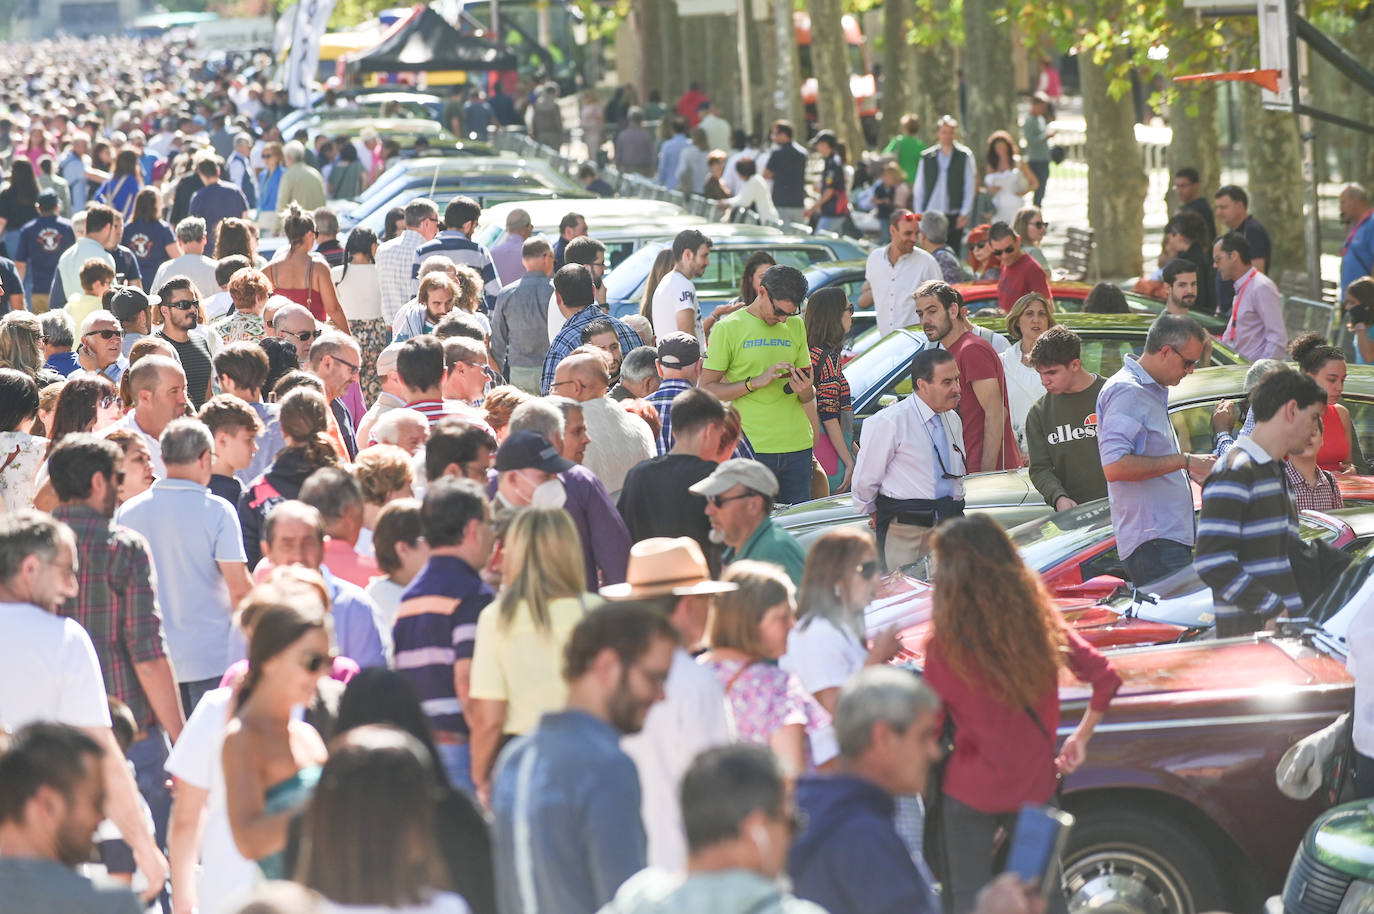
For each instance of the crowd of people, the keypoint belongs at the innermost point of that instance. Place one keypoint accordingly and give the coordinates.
(399, 575)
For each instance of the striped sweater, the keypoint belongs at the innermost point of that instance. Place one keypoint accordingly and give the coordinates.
(1247, 523)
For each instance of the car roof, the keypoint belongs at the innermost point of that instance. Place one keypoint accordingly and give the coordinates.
(718, 232)
(1360, 517)
(622, 209)
(1077, 320)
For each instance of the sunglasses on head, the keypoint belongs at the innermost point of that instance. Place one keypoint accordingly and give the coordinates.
(106, 334)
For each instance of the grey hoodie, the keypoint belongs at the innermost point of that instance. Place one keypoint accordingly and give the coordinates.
(726, 892)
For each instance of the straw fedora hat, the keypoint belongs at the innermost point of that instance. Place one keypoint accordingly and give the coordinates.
(660, 566)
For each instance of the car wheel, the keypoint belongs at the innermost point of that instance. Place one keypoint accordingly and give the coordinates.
(1129, 862)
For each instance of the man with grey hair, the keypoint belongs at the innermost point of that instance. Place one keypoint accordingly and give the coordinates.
(99, 352)
(465, 379)
(59, 336)
(239, 168)
(300, 184)
(396, 257)
(1151, 501)
(638, 374)
(519, 322)
(339, 499)
(404, 427)
(198, 555)
(38, 574)
(934, 240)
(888, 725)
(293, 534)
(327, 234)
(605, 538)
(1224, 414)
(295, 323)
(334, 359)
(508, 253)
(193, 263)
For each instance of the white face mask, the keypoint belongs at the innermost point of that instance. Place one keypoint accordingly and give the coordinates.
(549, 494)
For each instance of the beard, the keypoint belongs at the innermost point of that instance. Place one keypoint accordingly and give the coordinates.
(74, 846)
(626, 713)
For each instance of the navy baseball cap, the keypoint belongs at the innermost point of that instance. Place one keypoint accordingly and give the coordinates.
(530, 451)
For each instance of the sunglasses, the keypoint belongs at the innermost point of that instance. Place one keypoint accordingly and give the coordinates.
(719, 501)
(867, 569)
(1187, 363)
(118, 477)
(1002, 252)
(314, 661)
(781, 313)
(910, 217)
(848, 309)
(107, 402)
(352, 369)
(944, 471)
(189, 304)
(978, 244)
(1039, 225)
(107, 334)
(302, 335)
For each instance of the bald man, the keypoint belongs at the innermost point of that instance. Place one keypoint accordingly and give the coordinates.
(293, 322)
(619, 439)
(158, 386)
(1357, 257)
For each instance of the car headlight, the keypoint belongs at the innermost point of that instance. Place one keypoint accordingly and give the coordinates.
(1359, 898)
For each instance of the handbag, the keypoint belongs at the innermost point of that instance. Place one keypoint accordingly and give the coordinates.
(826, 454)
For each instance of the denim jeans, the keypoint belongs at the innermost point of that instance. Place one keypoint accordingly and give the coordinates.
(193, 692)
(457, 762)
(792, 214)
(148, 755)
(793, 470)
(1155, 559)
(830, 223)
(1041, 170)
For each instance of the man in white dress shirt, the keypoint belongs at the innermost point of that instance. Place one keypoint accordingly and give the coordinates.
(909, 475)
(894, 272)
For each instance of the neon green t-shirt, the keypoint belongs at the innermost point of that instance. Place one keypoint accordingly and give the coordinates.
(743, 346)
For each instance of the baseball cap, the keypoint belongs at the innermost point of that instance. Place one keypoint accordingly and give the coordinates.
(739, 471)
(663, 565)
(530, 451)
(129, 302)
(48, 199)
(386, 359)
(678, 349)
(826, 135)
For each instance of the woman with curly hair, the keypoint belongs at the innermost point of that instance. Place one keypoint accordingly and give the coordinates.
(995, 656)
(1325, 364)
(1008, 179)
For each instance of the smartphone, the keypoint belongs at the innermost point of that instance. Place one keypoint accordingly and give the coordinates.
(1037, 844)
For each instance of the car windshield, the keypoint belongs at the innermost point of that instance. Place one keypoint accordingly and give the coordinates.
(625, 280)
(1351, 592)
(1045, 543)
(1183, 598)
(867, 371)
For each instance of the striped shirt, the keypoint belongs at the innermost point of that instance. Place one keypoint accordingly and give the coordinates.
(457, 247)
(436, 626)
(395, 273)
(1247, 523)
(570, 337)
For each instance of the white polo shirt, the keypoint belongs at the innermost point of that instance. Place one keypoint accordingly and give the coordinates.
(892, 285)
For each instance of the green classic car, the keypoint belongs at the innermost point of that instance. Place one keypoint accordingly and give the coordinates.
(1333, 870)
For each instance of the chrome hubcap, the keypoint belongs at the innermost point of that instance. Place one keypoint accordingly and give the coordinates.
(1124, 882)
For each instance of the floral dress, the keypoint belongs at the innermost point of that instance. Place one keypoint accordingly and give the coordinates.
(762, 698)
(20, 456)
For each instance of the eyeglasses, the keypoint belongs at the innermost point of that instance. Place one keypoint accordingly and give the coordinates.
(944, 470)
(107, 402)
(352, 369)
(557, 384)
(867, 569)
(303, 335)
(189, 304)
(1188, 364)
(1002, 252)
(719, 501)
(314, 661)
(781, 313)
(106, 334)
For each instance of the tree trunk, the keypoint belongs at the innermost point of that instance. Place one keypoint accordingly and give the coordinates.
(937, 88)
(650, 22)
(899, 67)
(1195, 143)
(989, 73)
(835, 107)
(1273, 163)
(786, 101)
(1116, 179)
(670, 51)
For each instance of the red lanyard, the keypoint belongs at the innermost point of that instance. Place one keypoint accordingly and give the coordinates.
(1230, 335)
(1350, 236)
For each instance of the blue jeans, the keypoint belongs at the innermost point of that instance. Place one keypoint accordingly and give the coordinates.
(457, 762)
(793, 470)
(193, 692)
(1156, 559)
(830, 223)
(148, 755)
(1041, 170)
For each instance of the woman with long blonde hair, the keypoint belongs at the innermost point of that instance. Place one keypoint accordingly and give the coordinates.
(995, 657)
(517, 664)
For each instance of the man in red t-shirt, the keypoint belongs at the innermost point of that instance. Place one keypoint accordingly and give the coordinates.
(689, 105)
(988, 440)
(1020, 272)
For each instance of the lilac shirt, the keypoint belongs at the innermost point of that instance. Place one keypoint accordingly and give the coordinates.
(605, 538)
(1256, 330)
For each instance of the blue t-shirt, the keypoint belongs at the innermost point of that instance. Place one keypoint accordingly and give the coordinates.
(215, 202)
(148, 241)
(41, 242)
